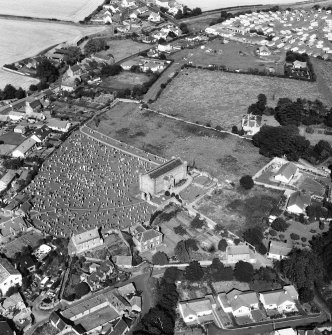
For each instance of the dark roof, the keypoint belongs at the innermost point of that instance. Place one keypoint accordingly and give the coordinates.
(5, 329)
(26, 261)
(119, 328)
(35, 103)
(42, 132)
(75, 68)
(163, 169)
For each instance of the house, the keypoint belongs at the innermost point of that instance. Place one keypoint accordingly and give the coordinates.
(16, 116)
(9, 276)
(235, 253)
(136, 304)
(264, 51)
(164, 48)
(278, 250)
(58, 125)
(285, 331)
(163, 3)
(68, 84)
(27, 264)
(5, 328)
(12, 228)
(197, 310)
(120, 328)
(127, 290)
(298, 202)
(279, 300)
(146, 239)
(299, 65)
(164, 177)
(154, 66)
(125, 262)
(41, 134)
(85, 241)
(127, 65)
(148, 39)
(6, 180)
(251, 124)
(33, 106)
(63, 326)
(102, 58)
(154, 17)
(242, 303)
(20, 129)
(24, 148)
(223, 300)
(74, 71)
(286, 173)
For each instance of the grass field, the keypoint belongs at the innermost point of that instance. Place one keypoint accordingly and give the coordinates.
(121, 49)
(221, 98)
(236, 208)
(323, 72)
(233, 55)
(222, 155)
(73, 10)
(12, 138)
(125, 79)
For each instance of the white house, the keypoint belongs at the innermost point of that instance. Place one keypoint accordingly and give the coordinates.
(9, 276)
(154, 17)
(146, 239)
(193, 311)
(264, 51)
(235, 253)
(286, 173)
(163, 3)
(278, 250)
(58, 125)
(251, 124)
(279, 300)
(24, 148)
(298, 202)
(242, 303)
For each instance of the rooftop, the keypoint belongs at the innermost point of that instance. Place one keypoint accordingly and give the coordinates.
(238, 250)
(6, 269)
(86, 236)
(26, 145)
(165, 168)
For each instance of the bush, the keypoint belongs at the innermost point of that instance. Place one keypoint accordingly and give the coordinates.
(294, 236)
(303, 239)
(222, 245)
(81, 290)
(237, 241)
(197, 223)
(272, 232)
(279, 224)
(246, 182)
(179, 230)
(218, 128)
(243, 271)
(281, 236)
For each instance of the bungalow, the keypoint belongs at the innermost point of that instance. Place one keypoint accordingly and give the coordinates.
(197, 310)
(242, 302)
(24, 148)
(264, 51)
(278, 250)
(299, 65)
(127, 65)
(237, 253)
(154, 17)
(20, 129)
(165, 48)
(146, 239)
(58, 125)
(153, 66)
(279, 300)
(298, 202)
(286, 173)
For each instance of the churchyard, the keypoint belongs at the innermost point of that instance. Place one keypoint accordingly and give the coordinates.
(232, 55)
(221, 98)
(237, 209)
(166, 137)
(86, 182)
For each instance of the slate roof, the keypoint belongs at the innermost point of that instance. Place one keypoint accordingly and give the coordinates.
(238, 299)
(165, 168)
(35, 104)
(144, 235)
(287, 170)
(277, 297)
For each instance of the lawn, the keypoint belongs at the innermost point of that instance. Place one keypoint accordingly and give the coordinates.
(222, 155)
(12, 138)
(233, 55)
(121, 49)
(125, 79)
(323, 72)
(221, 98)
(235, 208)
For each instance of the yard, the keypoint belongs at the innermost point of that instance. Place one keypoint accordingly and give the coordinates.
(221, 98)
(222, 155)
(233, 55)
(236, 209)
(121, 49)
(125, 79)
(12, 138)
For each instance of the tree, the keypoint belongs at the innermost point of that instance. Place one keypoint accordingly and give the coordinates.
(255, 236)
(179, 230)
(247, 182)
(197, 223)
(20, 93)
(262, 99)
(94, 45)
(46, 71)
(218, 228)
(33, 88)
(81, 290)
(323, 149)
(73, 55)
(306, 295)
(279, 224)
(196, 11)
(222, 245)
(110, 70)
(9, 92)
(160, 258)
(191, 244)
(243, 271)
(184, 28)
(172, 274)
(194, 272)
(12, 164)
(181, 252)
(219, 272)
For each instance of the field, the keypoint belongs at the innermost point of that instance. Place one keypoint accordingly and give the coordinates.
(235, 208)
(12, 138)
(222, 155)
(323, 72)
(16, 37)
(73, 10)
(121, 49)
(125, 79)
(233, 55)
(221, 98)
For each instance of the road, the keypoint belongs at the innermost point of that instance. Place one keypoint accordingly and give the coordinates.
(214, 330)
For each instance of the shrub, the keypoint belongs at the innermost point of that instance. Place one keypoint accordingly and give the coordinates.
(246, 182)
(218, 128)
(243, 271)
(222, 245)
(179, 230)
(312, 231)
(81, 289)
(160, 258)
(321, 225)
(281, 236)
(272, 232)
(294, 236)
(279, 224)
(303, 239)
(237, 241)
